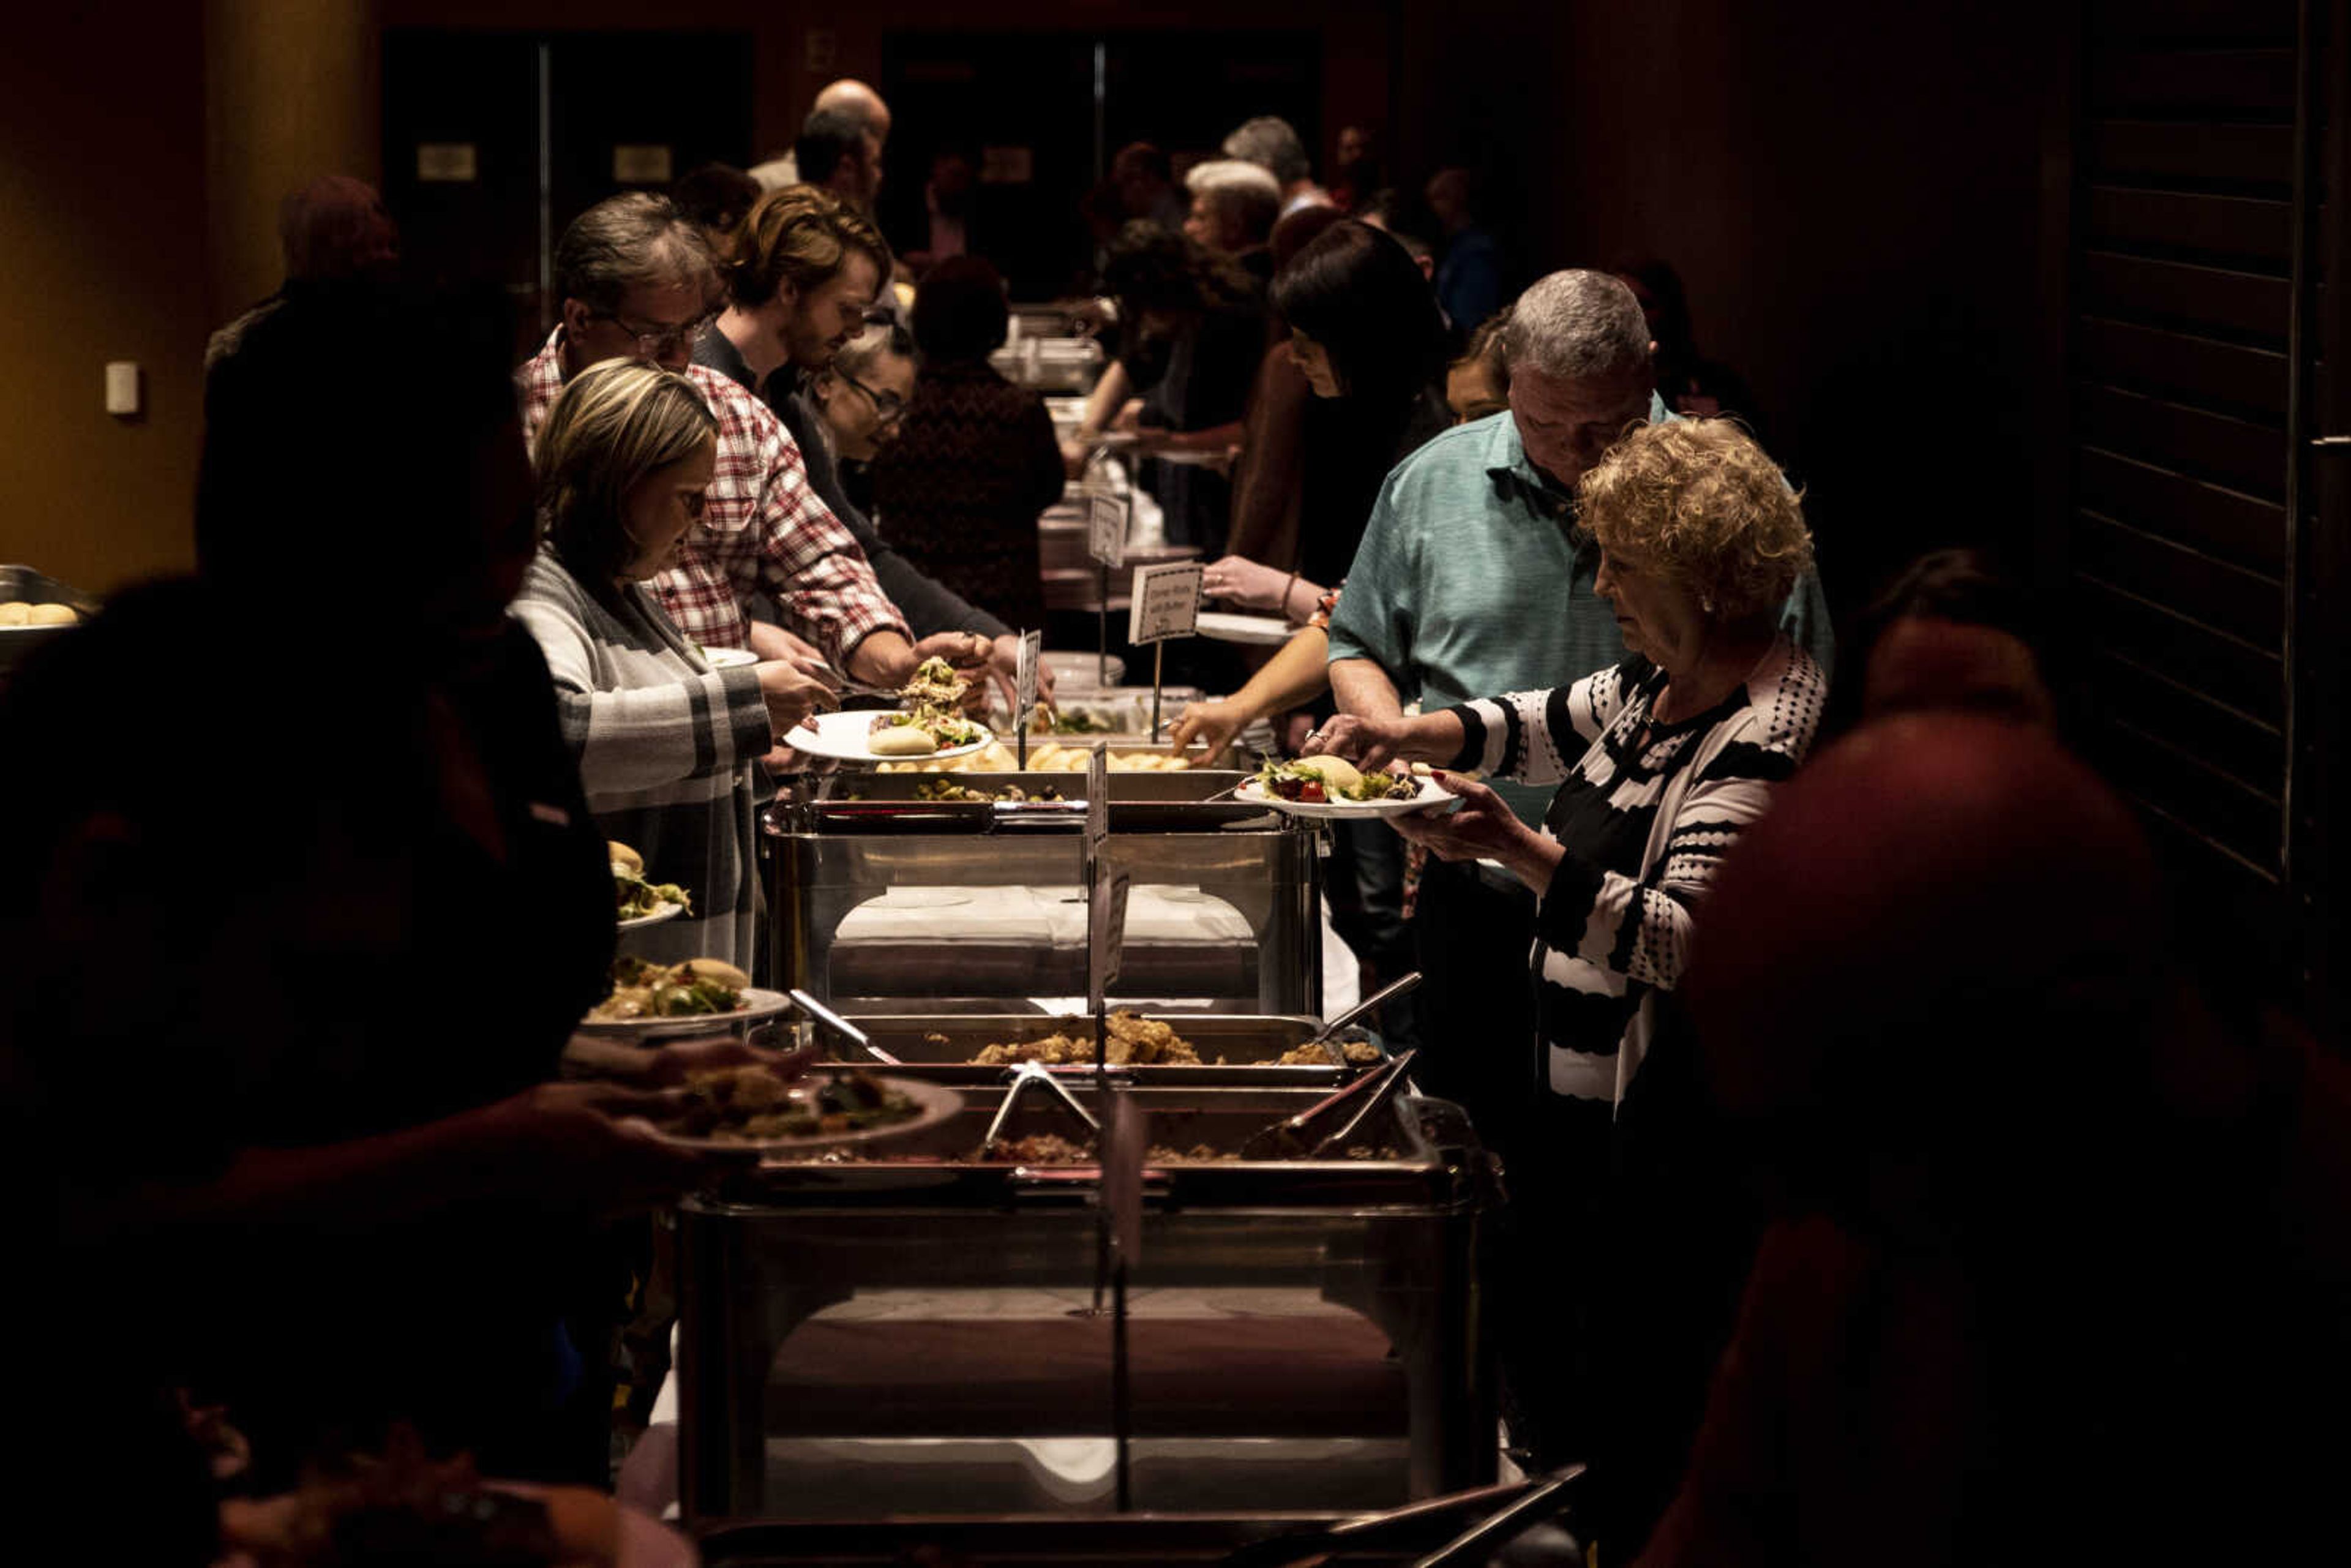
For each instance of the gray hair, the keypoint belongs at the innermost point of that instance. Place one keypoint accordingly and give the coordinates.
(885, 337)
(1272, 143)
(1577, 326)
(1217, 174)
(630, 239)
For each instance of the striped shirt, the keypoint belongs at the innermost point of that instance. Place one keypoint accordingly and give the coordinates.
(763, 531)
(664, 746)
(1646, 812)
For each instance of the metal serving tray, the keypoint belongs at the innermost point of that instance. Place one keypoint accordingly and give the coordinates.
(24, 585)
(940, 1048)
(1408, 1160)
(883, 1335)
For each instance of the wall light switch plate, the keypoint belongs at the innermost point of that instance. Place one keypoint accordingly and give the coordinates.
(122, 387)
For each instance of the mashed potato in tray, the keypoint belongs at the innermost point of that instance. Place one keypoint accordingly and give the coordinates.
(996, 757)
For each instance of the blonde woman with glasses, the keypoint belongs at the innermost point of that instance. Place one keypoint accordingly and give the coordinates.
(665, 742)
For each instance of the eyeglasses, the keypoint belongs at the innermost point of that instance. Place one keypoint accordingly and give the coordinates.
(889, 408)
(652, 342)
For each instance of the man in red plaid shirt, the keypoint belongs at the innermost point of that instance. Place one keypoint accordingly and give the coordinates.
(636, 282)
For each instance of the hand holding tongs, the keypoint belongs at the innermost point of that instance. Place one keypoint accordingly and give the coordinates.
(1294, 1138)
(1026, 1074)
(825, 1019)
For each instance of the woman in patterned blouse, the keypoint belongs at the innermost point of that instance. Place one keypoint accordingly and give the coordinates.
(975, 463)
(1660, 760)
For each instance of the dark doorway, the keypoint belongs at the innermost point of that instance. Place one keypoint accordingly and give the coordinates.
(494, 141)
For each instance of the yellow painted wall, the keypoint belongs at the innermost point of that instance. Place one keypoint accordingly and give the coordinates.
(102, 250)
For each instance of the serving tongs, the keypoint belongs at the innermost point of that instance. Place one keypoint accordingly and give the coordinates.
(1519, 1505)
(1024, 1076)
(1401, 986)
(825, 1018)
(1302, 1136)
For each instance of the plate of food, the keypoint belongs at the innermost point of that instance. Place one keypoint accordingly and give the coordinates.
(1332, 787)
(650, 999)
(1257, 631)
(727, 658)
(929, 722)
(749, 1109)
(638, 903)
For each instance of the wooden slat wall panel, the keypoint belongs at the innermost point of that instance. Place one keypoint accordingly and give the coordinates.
(2124, 24)
(2161, 361)
(2160, 151)
(2244, 678)
(2236, 528)
(2236, 229)
(2221, 83)
(2183, 716)
(2173, 293)
(2183, 235)
(2242, 821)
(2240, 453)
(2247, 605)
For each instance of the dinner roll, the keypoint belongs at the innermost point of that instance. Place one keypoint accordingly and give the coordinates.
(1336, 772)
(16, 612)
(52, 615)
(723, 973)
(904, 741)
(622, 855)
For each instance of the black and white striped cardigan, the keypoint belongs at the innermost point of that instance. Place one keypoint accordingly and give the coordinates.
(1646, 812)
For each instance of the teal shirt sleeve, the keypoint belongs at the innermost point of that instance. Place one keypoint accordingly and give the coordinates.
(1375, 617)
(1805, 619)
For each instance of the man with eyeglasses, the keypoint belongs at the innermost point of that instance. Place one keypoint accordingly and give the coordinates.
(807, 269)
(635, 281)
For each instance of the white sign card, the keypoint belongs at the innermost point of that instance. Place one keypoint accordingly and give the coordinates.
(1024, 679)
(1106, 530)
(1164, 602)
(1109, 923)
(1097, 799)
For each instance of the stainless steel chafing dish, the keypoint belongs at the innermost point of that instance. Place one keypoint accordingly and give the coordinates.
(911, 1332)
(22, 584)
(882, 903)
(1238, 1049)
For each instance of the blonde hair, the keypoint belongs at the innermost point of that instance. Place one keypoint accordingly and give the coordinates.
(1698, 502)
(612, 424)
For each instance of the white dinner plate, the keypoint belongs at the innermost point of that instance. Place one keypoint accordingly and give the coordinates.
(842, 735)
(660, 912)
(1259, 631)
(936, 1103)
(757, 1004)
(1432, 795)
(728, 658)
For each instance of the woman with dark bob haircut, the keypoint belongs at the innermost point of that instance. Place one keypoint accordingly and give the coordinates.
(1365, 332)
(959, 491)
(959, 311)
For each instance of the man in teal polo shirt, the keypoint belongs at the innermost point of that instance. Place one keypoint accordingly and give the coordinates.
(1472, 581)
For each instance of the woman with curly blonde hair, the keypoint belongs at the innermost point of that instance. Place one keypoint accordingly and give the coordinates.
(1660, 761)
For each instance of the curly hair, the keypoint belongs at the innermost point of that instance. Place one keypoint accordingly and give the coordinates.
(1698, 501)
